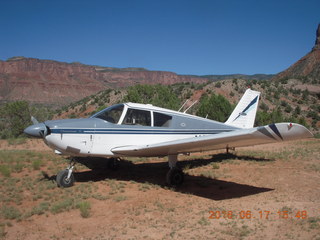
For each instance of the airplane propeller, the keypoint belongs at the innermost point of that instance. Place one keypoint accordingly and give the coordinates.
(34, 120)
(39, 130)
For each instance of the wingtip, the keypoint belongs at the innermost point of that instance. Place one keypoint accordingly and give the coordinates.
(292, 131)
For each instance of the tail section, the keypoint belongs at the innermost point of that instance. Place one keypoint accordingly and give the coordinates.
(244, 114)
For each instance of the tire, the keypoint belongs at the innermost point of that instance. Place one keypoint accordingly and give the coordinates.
(62, 180)
(175, 177)
(113, 164)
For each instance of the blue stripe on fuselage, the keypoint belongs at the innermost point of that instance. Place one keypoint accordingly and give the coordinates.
(134, 131)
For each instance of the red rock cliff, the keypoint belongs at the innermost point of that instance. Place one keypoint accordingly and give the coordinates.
(307, 66)
(58, 83)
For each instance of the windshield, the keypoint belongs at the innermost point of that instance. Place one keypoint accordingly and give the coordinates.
(111, 114)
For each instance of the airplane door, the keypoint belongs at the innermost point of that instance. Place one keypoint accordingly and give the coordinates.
(87, 140)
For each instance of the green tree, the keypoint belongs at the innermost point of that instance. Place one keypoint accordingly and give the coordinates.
(262, 118)
(15, 117)
(214, 107)
(265, 118)
(158, 95)
(297, 110)
(264, 107)
(276, 116)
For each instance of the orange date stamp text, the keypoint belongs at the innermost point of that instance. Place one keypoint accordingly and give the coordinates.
(263, 214)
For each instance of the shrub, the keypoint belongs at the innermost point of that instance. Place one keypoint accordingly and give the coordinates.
(288, 109)
(215, 107)
(84, 208)
(16, 118)
(264, 107)
(158, 95)
(63, 205)
(218, 85)
(5, 170)
(36, 164)
(10, 212)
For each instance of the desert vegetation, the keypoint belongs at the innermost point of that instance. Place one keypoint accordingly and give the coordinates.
(281, 101)
(258, 192)
(284, 100)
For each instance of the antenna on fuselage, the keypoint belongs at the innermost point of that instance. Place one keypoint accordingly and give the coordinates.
(191, 106)
(183, 105)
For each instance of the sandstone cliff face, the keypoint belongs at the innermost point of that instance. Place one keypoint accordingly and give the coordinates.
(307, 66)
(317, 43)
(58, 83)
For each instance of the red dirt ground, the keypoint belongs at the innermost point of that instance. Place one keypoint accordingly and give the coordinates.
(272, 192)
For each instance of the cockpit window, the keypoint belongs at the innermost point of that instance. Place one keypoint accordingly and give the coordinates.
(111, 114)
(137, 117)
(161, 120)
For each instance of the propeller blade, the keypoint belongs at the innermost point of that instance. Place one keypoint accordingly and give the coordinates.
(34, 120)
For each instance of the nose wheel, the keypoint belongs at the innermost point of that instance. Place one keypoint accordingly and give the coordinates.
(65, 178)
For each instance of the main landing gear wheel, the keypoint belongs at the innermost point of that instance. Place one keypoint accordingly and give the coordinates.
(113, 163)
(175, 177)
(64, 180)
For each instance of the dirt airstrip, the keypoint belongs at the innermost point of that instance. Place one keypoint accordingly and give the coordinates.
(264, 192)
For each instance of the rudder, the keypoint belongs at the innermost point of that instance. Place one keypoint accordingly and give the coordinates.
(244, 114)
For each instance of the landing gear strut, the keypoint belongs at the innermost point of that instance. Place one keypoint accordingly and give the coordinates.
(65, 177)
(113, 163)
(175, 176)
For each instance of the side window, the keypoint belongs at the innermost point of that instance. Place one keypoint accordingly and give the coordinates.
(161, 120)
(137, 117)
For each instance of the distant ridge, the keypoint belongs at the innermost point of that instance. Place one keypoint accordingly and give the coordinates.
(59, 83)
(239, 76)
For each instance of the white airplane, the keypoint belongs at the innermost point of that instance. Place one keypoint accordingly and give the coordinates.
(143, 130)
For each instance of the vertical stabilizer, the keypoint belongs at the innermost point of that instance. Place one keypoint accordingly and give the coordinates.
(244, 114)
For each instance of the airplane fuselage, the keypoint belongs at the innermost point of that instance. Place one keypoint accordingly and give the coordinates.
(96, 136)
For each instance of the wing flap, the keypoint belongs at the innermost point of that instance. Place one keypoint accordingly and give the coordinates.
(238, 138)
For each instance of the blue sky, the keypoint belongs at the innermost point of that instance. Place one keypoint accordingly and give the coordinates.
(187, 37)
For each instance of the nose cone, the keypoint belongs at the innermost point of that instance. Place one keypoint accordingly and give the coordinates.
(36, 130)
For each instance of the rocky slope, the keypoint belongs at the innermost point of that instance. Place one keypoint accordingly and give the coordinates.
(308, 67)
(59, 83)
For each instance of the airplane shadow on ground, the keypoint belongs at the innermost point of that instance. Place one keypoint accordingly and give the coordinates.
(155, 173)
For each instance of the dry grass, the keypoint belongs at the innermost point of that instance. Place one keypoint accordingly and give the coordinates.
(135, 203)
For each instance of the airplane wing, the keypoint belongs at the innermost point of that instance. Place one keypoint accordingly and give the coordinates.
(239, 138)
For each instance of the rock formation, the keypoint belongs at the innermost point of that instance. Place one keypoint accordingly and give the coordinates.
(308, 66)
(317, 43)
(58, 83)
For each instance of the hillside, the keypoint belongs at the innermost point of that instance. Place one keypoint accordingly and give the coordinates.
(307, 68)
(58, 83)
(239, 76)
(280, 101)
